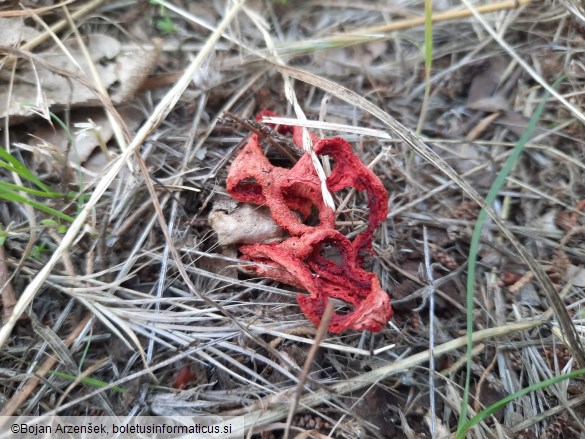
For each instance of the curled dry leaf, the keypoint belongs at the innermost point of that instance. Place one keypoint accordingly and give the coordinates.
(243, 223)
(291, 195)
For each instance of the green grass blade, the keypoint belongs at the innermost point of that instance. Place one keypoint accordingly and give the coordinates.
(10, 195)
(65, 129)
(474, 245)
(12, 192)
(488, 411)
(428, 63)
(15, 187)
(93, 382)
(13, 165)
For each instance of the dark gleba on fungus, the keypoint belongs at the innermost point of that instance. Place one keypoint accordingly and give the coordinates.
(291, 194)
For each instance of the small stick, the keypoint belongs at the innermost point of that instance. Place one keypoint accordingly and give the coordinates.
(264, 131)
(487, 370)
(66, 258)
(437, 17)
(6, 290)
(308, 363)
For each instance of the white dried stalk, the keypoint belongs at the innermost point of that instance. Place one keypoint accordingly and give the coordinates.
(292, 98)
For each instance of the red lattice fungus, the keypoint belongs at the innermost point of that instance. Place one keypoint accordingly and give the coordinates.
(291, 194)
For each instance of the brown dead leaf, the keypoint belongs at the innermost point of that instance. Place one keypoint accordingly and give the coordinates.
(483, 92)
(52, 148)
(89, 128)
(55, 139)
(122, 70)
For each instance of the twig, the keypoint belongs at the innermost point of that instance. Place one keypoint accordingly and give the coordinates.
(308, 364)
(482, 378)
(431, 300)
(6, 290)
(436, 18)
(265, 132)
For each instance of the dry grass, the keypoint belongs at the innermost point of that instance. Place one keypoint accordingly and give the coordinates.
(137, 288)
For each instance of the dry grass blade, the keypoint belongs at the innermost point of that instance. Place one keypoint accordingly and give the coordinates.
(6, 291)
(424, 151)
(291, 97)
(261, 417)
(560, 409)
(18, 399)
(444, 16)
(576, 8)
(352, 37)
(328, 126)
(186, 328)
(28, 12)
(431, 301)
(161, 111)
(59, 348)
(120, 130)
(538, 78)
